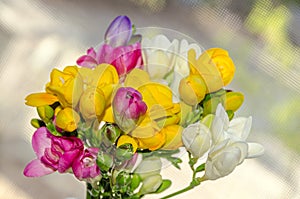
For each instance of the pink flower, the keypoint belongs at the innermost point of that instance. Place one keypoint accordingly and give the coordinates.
(54, 153)
(128, 106)
(85, 167)
(123, 58)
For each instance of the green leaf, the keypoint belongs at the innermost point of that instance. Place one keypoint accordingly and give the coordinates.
(200, 168)
(164, 185)
(104, 161)
(175, 161)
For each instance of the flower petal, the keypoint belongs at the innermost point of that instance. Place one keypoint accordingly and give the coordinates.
(36, 169)
(41, 141)
(40, 99)
(87, 61)
(255, 150)
(240, 127)
(67, 159)
(219, 125)
(119, 31)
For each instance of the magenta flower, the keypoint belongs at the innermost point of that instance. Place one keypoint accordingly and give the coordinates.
(54, 153)
(128, 106)
(85, 166)
(123, 58)
(119, 31)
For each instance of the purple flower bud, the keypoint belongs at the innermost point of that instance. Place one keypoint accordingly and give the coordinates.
(119, 31)
(85, 166)
(54, 153)
(128, 106)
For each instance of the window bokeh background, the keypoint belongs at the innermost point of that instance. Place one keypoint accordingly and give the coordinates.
(262, 36)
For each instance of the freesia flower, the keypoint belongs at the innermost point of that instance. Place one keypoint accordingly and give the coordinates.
(159, 55)
(128, 107)
(92, 103)
(224, 157)
(192, 89)
(237, 129)
(123, 58)
(119, 31)
(85, 166)
(66, 85)
(229, 144)
(196, 139)
(53, 153)
(67, 119)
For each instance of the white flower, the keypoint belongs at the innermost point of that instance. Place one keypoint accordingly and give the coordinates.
(237, 129)
(159, 55)
(224, 157)
(229, 144)
(196, 139)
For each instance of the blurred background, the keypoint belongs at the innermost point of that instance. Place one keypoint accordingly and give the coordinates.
(262, 36)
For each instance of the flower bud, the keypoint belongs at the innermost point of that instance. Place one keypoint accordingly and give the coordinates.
(92, 103)
(151, 184)
(37, 123)
(128, 106)
(45, 112)
(233, 101)
(67, 119)
(119, 31)
(196, 139)
(223, 62)
(224, 157)
(192, 89)
(148, 167)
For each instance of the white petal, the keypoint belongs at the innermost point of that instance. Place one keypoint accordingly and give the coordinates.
(255, 150)
(240, 127)
(219, 125)
(220, 112)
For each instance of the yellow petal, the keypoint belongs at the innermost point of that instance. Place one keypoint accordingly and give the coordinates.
(67, 119)
(136, 78)
(207, 69)
(40, 99)
(153, 143)
(125, 139)
(155, 93)
(106, 74)
(107, 116)
(173, 137)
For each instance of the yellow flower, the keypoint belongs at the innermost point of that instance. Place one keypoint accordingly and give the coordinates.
(104, 78)
(223, 62)
(40, 99)
(192, 89)
(214, 65)
(173, 137)
(66, 85)
(67, 119)
(92, 103)
(125, 139)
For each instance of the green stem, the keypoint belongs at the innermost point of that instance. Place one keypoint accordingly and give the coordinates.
(179, 192)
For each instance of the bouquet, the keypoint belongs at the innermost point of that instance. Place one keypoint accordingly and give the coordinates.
(134, 104)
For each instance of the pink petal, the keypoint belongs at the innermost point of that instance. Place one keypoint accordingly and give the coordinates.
(67, 159)
(87, 61)
(36, 169)
(91, 52)
(41, 141)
